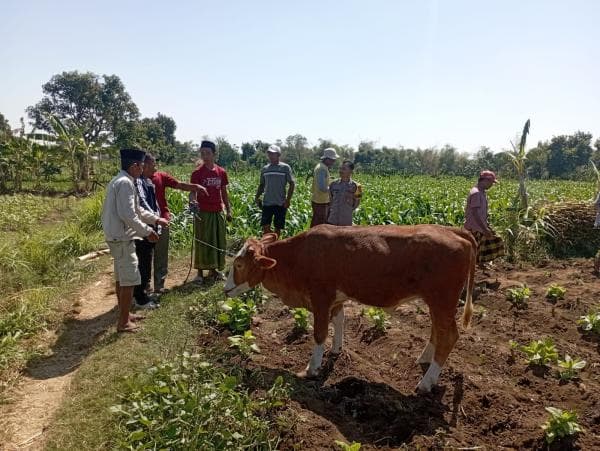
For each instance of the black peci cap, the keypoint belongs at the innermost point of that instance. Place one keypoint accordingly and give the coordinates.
(208, 144)
(133, 154)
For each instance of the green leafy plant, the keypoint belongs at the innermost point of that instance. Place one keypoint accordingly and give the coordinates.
(555, 292)
(540, 352)
(244, 343)
(570, 367)
(300, 319)
(590, 322)
(378, 317)
(518, 297)
(237, 314)
(354, 446)
(560, 424)
(188, 403)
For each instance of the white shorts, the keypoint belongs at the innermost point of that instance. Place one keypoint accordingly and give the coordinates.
(127, 272)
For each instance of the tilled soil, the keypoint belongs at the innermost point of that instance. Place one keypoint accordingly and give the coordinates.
(487, 397)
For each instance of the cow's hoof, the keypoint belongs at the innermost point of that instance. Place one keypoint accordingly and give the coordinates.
(336, 352)
(423, 389)
(306, 374)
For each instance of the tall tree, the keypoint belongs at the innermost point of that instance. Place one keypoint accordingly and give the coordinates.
(5, 131)
(247, 151)
(95, 105)
(227, 154)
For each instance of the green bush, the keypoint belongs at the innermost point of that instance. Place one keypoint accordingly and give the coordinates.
(189, 404)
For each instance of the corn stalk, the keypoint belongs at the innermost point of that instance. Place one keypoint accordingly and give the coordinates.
(518, 157)
(520, 228)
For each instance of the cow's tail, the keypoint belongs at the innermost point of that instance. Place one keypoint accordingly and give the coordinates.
(468, 311)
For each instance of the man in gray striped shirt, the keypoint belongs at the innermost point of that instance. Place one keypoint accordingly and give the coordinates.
(274, 179)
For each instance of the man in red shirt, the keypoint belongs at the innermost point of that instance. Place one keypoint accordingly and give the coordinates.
(161, 181)
(209, 220)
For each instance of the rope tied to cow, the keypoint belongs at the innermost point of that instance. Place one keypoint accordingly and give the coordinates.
(218, 249)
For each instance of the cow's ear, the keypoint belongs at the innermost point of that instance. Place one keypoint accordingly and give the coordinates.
(266, 262)
(268, 238)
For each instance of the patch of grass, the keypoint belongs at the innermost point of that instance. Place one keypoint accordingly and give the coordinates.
(106, 372)
(207, 404)
(38, 272)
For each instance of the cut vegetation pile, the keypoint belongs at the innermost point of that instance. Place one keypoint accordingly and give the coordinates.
(571, 230)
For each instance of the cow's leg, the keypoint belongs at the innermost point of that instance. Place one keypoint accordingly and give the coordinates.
(446, 334)
(429, 351)
(321, 323)
(338, 329)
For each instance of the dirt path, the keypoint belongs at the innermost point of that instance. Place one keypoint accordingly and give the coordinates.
(47, 380)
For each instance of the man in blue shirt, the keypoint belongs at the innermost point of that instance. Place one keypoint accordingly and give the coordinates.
(144, 248)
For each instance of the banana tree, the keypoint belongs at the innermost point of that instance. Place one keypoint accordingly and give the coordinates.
(71, 140)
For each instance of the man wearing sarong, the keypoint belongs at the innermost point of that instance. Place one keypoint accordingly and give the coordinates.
(490, 245)
(209, 221)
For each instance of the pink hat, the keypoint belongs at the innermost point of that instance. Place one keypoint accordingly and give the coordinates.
(489, 175)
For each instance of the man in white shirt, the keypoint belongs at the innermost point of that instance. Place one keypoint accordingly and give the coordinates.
(123, 221)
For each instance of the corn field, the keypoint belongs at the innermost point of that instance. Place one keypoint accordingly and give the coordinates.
(386, 200)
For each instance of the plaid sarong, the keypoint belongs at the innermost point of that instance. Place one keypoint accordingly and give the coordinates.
(488, 249)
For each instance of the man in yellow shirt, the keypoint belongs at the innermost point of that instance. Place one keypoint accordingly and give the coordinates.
(320, 187)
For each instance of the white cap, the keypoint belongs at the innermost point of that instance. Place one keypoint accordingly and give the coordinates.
(329, 153)
(274, 149)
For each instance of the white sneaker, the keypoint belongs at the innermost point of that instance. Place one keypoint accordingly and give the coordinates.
(147, 306)
(198, 280)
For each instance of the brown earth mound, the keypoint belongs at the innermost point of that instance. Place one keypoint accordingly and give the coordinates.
(486, 397)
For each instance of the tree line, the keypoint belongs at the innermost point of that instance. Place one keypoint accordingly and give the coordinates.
(83, 118)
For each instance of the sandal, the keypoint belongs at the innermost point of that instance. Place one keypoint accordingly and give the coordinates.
(134, 317)
(129, 329)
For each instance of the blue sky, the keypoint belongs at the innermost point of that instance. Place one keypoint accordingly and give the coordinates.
(411, 73)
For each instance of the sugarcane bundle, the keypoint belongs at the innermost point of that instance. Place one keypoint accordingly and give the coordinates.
(571, 231)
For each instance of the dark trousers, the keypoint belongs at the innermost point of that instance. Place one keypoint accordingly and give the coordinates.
(144, 250)
(319, 214)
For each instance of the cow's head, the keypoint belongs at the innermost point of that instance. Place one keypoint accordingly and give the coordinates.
(249, 266)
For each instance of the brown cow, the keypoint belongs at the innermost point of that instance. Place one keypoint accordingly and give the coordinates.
(382, 266)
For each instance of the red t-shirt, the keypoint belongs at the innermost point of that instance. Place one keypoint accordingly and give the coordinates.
(213, 180)
(161, 181)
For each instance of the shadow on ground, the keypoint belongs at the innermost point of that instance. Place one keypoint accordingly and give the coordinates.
(76, 341)
(366, 412)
